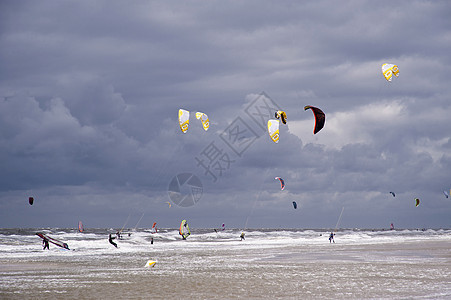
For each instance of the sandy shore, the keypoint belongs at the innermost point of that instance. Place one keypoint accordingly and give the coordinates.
(408, 270)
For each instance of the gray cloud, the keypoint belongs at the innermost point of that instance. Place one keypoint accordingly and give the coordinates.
(89, 95)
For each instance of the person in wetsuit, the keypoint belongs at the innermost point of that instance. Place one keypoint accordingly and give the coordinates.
(242, 236)
(45, 242)
(331, 237)
(110, 239)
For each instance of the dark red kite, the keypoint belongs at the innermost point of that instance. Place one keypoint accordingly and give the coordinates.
(320, 118)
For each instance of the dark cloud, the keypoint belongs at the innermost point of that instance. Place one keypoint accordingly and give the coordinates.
(89, 95)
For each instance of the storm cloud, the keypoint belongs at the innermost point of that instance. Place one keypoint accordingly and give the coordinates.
(90, 92)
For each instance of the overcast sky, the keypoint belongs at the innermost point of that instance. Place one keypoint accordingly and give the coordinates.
(90, 93)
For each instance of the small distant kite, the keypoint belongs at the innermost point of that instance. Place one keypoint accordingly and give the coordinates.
(295, 205)
(389, 70)
(320, 118)
(417, 202)
(169, 203)
(446, 194)
(393, 194)
(30, 200)
(282, 183)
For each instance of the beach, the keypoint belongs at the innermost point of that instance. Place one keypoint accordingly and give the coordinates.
(270, 264)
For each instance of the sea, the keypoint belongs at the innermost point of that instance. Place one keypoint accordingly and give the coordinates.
(267, 264)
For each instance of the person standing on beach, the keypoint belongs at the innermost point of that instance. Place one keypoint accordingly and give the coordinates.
(331, 237)
(45, 242)
(110, 239)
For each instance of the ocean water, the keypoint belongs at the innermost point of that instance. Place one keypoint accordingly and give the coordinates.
(269, 263)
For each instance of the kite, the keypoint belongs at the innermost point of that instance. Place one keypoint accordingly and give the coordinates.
(295, 205)
(30, 200)
(204, 119)
(183, 120)
(273, 130)
(320, 118)
(417, 202)
(281, 115)
(392, 194)
(282, 183)
(389, 70)
(446, 194)
(52, 240)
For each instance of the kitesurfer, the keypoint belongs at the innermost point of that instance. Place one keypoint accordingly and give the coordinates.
(151, 241)
(110, 239)
(331, 237)
(183, 235)
(45, 242)
(242, 236)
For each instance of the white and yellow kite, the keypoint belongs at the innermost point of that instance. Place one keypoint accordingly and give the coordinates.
(273, 130)
(204, 119)
(389, 70)
(183, 120)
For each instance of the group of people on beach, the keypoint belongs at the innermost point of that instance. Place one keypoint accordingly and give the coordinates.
(111, 238)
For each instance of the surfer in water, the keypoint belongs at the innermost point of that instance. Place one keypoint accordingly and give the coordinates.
(242, 236)
(331, 237)
(110, 239)
(45, 242)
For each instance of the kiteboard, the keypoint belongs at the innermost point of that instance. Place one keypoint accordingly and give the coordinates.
(52, 240)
